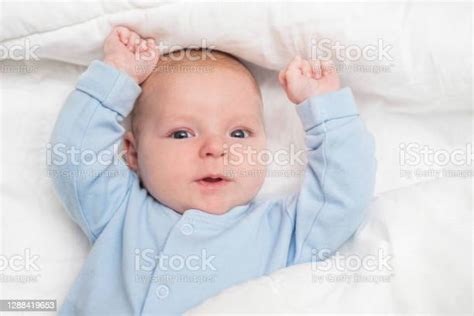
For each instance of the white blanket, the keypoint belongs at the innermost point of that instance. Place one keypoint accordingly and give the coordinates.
(416, 93)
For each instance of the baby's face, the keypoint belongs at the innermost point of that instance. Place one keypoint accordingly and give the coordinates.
(194, 125)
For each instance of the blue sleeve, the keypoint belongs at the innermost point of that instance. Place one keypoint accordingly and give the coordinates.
(339, 180)
(85, 166)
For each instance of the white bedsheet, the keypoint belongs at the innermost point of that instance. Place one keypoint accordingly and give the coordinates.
(425, 99)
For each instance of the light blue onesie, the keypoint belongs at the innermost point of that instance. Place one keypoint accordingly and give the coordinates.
(147, 258)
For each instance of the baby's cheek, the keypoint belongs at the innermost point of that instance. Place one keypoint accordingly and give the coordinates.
(253, 175)
(152, 167)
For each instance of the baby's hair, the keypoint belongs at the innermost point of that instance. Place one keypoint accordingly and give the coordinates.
(190, 60)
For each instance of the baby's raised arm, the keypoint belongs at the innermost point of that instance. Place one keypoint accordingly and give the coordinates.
(88, 174)
(339, 180)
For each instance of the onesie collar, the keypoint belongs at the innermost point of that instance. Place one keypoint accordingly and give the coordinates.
(230, 216)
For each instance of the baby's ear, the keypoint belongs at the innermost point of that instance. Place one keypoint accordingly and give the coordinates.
(131, 150)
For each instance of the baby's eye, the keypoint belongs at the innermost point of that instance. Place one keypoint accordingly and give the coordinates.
(180, 134)
(239, 133)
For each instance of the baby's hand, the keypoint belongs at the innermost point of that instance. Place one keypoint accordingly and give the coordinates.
(302, 79)
(128, 52)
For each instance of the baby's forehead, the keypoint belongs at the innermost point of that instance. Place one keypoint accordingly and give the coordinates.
(200, 82)
(194, 98)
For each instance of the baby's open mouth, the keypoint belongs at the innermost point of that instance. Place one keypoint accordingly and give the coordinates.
(209, 179)
(213, 181)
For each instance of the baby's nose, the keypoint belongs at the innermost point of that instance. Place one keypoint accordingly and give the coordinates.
(213, 146)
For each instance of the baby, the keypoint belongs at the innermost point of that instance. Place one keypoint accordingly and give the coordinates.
(178, 222)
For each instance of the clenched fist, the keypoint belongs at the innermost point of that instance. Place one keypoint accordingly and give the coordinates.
(129, 52)
(302, 79)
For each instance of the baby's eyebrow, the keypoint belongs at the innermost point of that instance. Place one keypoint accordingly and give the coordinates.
(244, 118)
(187, 117)
(175, 117)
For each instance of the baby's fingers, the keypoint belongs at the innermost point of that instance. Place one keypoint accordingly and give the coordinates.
(294, 70)
(123, 34)
(133, 41)
(295, 65)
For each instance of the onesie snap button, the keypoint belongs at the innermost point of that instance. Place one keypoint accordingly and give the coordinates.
(162, 291)
(187, 229)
